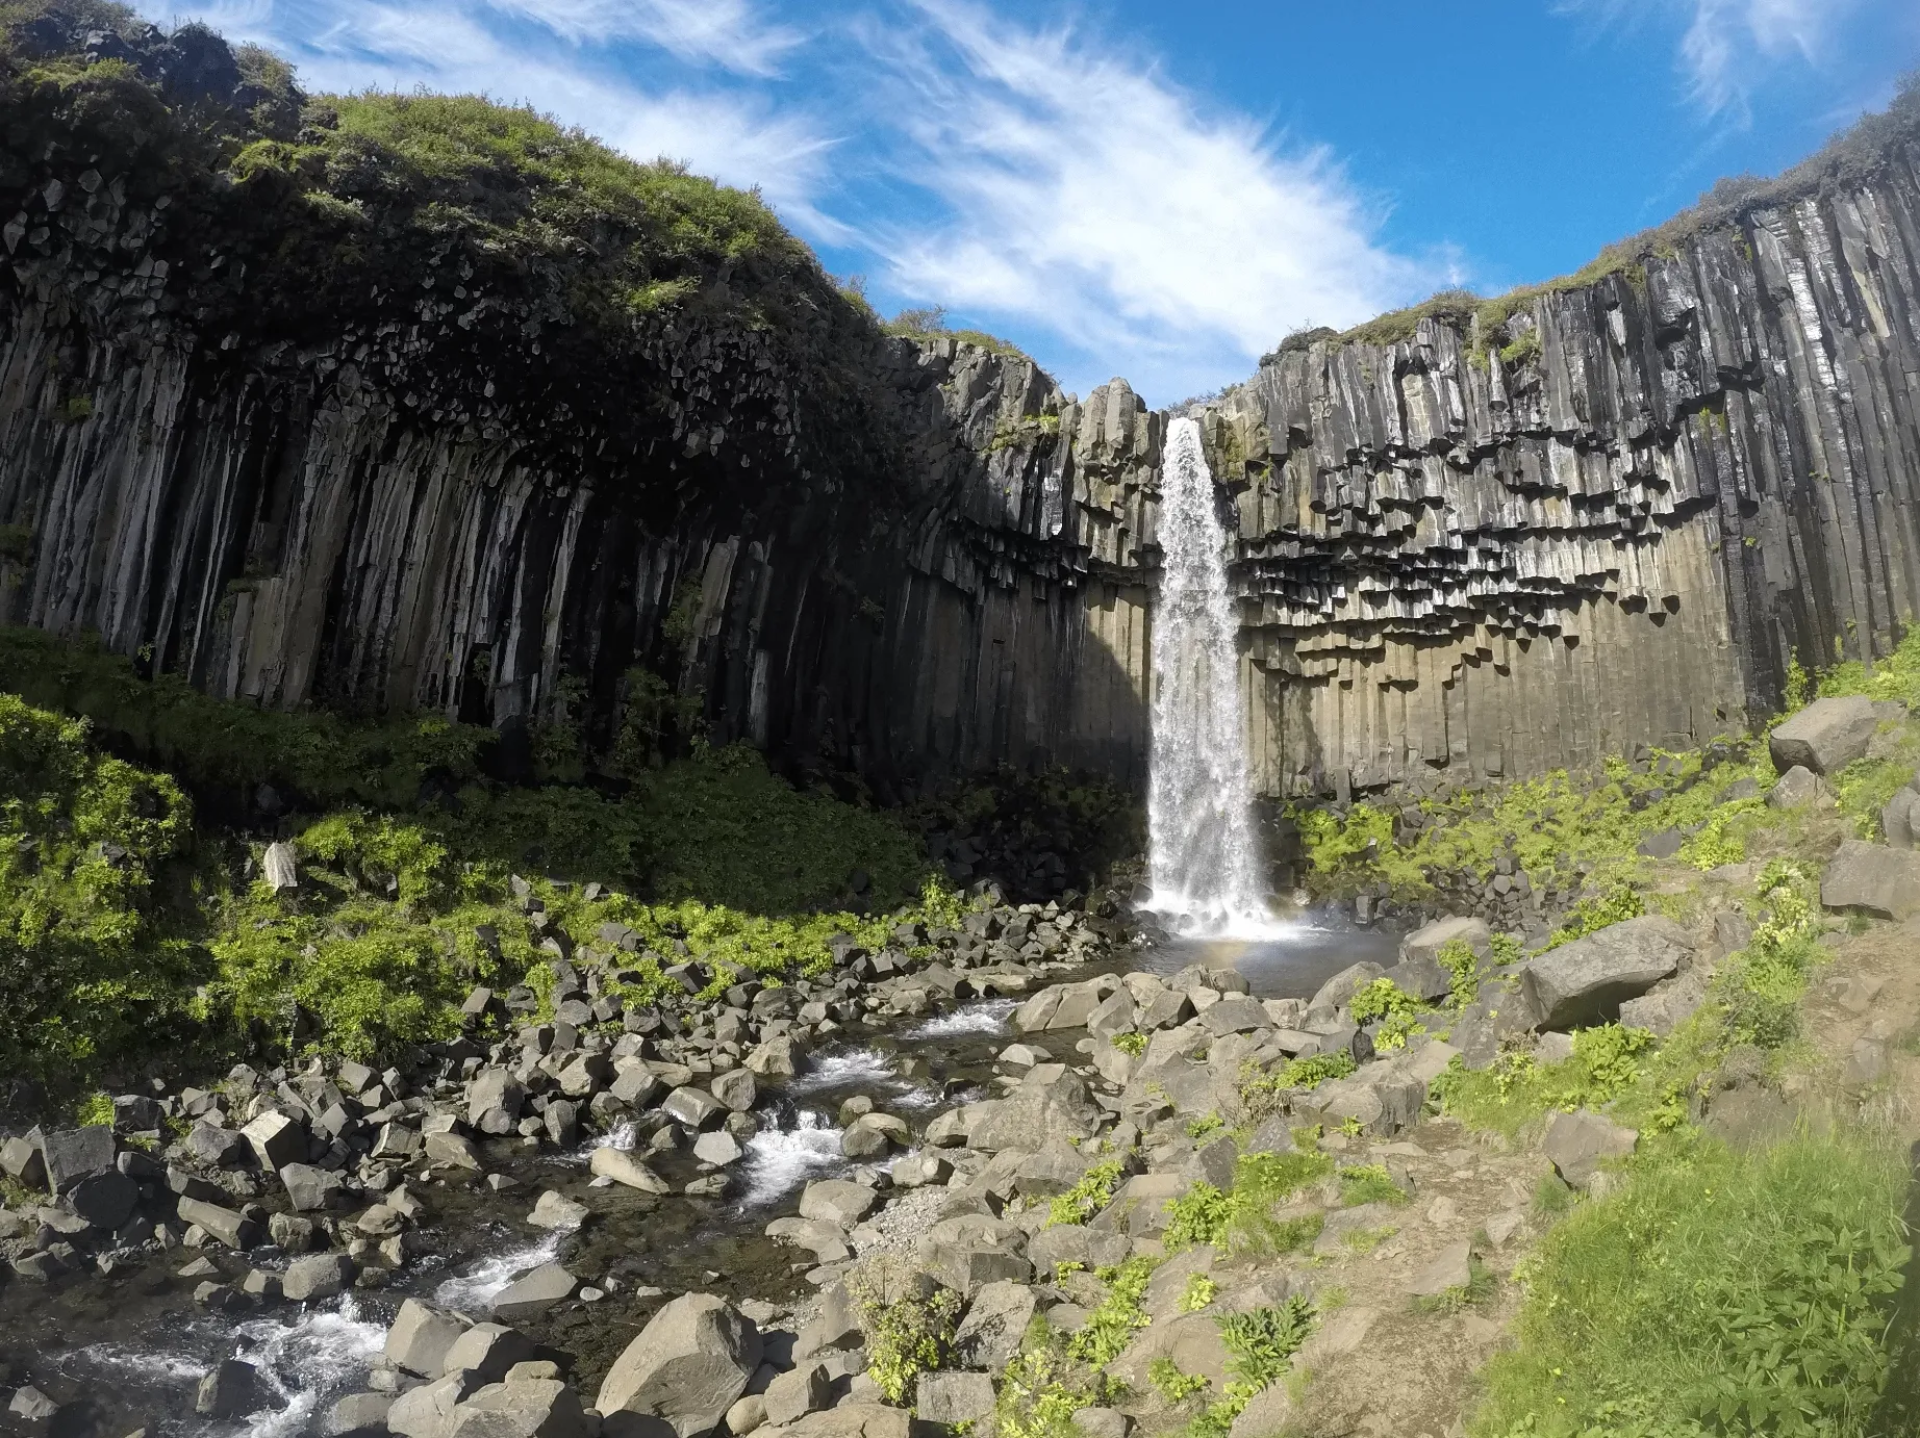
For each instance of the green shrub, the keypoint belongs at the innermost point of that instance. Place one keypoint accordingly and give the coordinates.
(1199, 1292)
(1720, 1292)
(1171, 1384)
(1456, 956)
(1260, 1344)
(1607, 1061)
(1241, 1219)
(1380, 999)
(1600, 911)
(909, 1331)
(1111, 1326)
(1132, 1045)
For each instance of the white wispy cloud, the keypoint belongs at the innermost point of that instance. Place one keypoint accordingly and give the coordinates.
(734, 134)
(1081, 191)
(732, 34)
(1728, 47)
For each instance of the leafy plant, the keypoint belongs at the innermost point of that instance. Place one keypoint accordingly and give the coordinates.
(1617, 905)
(1173, 1385)
(1111, 1326)
(1132, 1045)
(1092, 1193)
(1462, 966)
(1382, 999)
(1241, 1219)
(909, 1324)
(1200, 1291)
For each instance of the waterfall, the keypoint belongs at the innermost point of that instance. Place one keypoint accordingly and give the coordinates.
(1205, 862)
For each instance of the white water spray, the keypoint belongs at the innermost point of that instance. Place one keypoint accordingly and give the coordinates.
(1205, 864)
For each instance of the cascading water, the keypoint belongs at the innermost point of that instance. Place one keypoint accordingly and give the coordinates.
(1204, 858)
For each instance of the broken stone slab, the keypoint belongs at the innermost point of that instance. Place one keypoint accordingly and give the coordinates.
(451, 1150)
(1579, 1143)
(971, 1250)
(687, 1366)
(1826, 736)
(735, 1088)
(1669, 1004)
(694, 1108)
(1586, 981)
(1872, 879)
(359, 1415)
(231, 1389)
(854, 1418)
(310, 1189)
(826, 1241)
(235, 1230)
(1051, 1100)
(1426, 942)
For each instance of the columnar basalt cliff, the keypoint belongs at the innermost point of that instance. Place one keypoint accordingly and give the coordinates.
(277, 414)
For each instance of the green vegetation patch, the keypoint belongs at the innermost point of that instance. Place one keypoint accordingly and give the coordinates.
(1241, 1219)
(1721, 1292)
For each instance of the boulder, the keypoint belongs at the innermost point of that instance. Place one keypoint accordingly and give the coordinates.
(489, 1351)
(494, 1089)
(106, 1200)
(1799, 788)
(317, 1276)
(853, 1420)
(688, 1365)
(794, 1394)
(997, 1319)
(776, 1058)
(1428, 940)
(69, 1155)
(1826, 736)
(527, 1408)
(427, 1411)
(1900, 819)
(231, 1389)
(277, 1140)
(1051, 1101)
(1873, 879)
(217, 1147)
(747, 1414)
(835, 1200)
(556, 1212)
(972, 1250)
(279, 868)
(1578, 1143)
(451, 1150)
(718, 1148)
(953, 1397)
(735, 1088)
(624, 1168)
(309, 1188)
(532, 1294)
(1341, 988)
(1669, 1004)
(1235, 1014)
(31, 1404)
(420, 1336)
(359, 1414)
(694, 1107)
(1586, 981)
(20, 1160)
(1112, 1423)
(235, 1230)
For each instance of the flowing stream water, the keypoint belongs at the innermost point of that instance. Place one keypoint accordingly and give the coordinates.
(1204, 857)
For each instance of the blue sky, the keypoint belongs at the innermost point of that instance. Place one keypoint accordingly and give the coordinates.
(1153, 190)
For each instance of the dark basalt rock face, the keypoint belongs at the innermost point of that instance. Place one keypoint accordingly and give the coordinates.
(287, 438)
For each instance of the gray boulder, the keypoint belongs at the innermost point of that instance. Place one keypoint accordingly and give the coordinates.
(971, 1250)
(1799, 788)
(688, 1365)
(532, 1294)
(494, 1089)
(624, 1168)
(427, 1411)
(1051, 1101)
(489, 1351)
(317, 1276)
(420, 1337)
(1873, 879)
(953, 1397)
(836, 1200)
(1341, 988)
(1587, 980)
(853, 1419)
(217, 1147)
(522, 1408)
(694, 1107)
(70, 1155)
(235, 1230)
(556, 1212)
(106, 1200)
(277, 1140)
(1900, 819)
(1826, 736)
(1578, 1143)
(1450, 1269)
(231, 1389)
(359, 1414)
(1428, 940)
(798, 1392)
(735, 1088)
(997, 1319)
(309, 1188)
